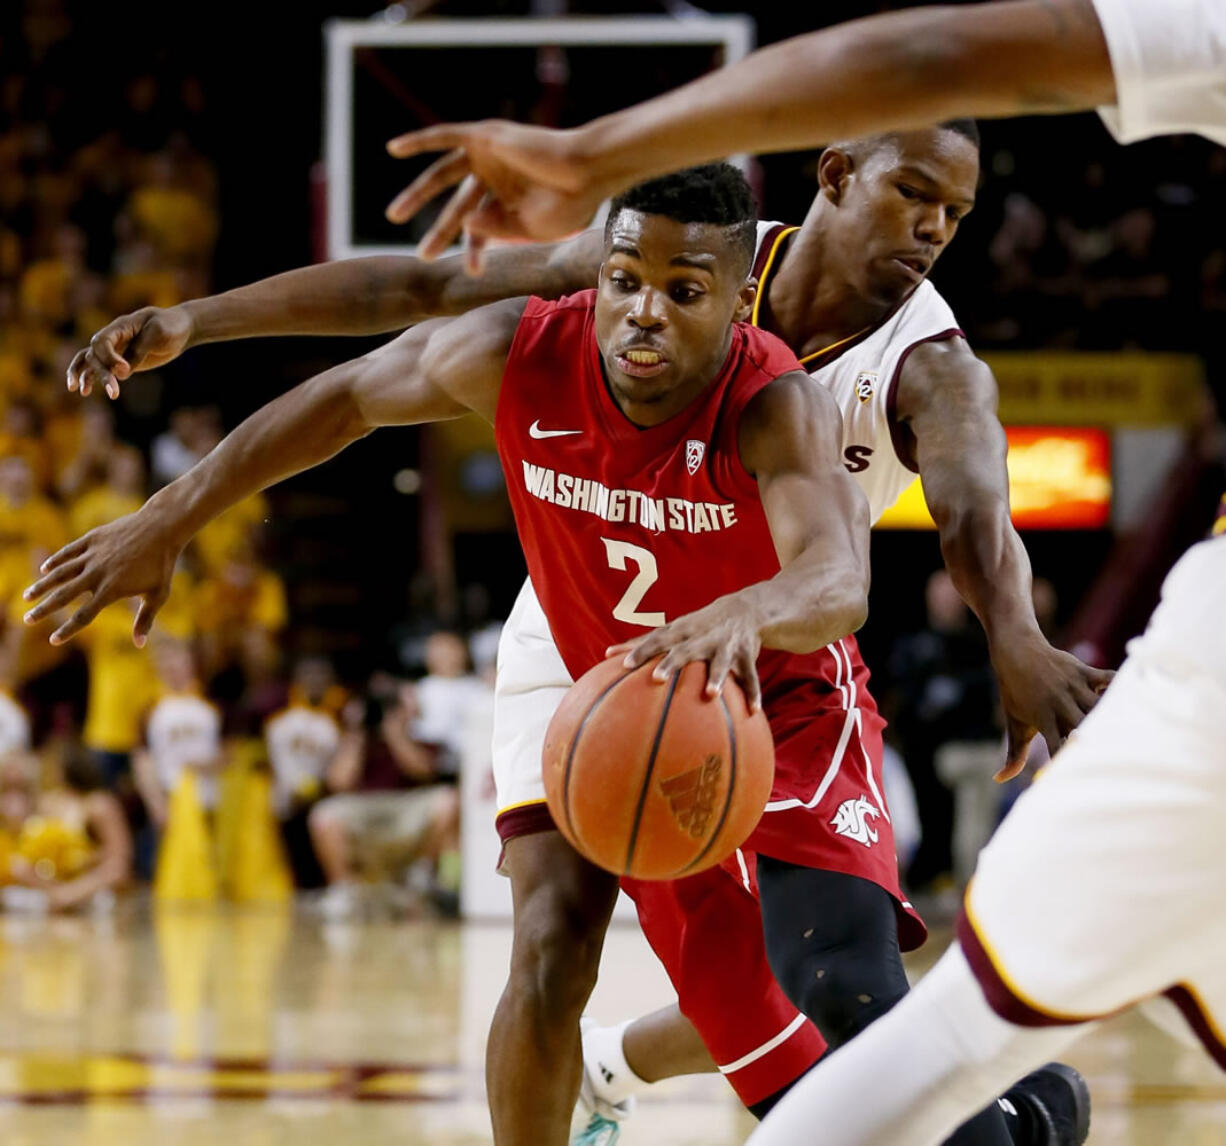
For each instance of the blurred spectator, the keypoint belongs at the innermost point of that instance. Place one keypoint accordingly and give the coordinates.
(82, 437)
(21, 435)
(182, 731)
(193, 431)
(240, 611)
(72, 847)
(30, 524)
(305, 745)
(444, 696)
(48, 284)
(942, 692)
(123, 493)
(123, 679)
(181, 226)
(393, 811)
(14, 720)
(236, 529)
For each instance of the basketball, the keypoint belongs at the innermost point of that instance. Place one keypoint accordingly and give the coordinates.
(656, 781)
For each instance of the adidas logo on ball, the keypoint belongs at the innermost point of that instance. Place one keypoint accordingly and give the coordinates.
(692, 794)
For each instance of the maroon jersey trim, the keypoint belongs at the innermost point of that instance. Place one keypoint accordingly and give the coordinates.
(524, 820)
(1023, 1013)
(891, 395)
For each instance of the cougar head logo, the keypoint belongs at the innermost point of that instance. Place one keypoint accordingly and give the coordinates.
(852, 821)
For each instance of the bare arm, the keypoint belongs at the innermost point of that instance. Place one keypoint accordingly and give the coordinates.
(888, 72)
(415, 760)
(110, 828)
(791, 439)
(345, 768)
(350, 296)
(439, 370)
(145, 775)
(947, 403)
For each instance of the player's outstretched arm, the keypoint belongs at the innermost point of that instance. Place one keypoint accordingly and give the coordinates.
(791, 439)
(438, 370)
(889, 72)
(947, 399)
(347, 297)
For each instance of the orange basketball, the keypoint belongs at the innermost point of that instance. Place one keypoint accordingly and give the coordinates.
(654, 780)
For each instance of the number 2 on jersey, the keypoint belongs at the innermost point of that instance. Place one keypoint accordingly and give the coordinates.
(618, 553)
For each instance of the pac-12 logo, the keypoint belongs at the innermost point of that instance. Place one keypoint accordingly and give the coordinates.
(852, 821)
(866, 384)
(695, 451)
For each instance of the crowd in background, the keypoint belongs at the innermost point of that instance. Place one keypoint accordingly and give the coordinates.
(109, 201)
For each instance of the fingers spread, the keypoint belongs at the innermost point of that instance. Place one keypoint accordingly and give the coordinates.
(82, 617)
(717, 670)
(441, 137)
(436, 178)
(447, 226)
(71, 550)
(746, 670)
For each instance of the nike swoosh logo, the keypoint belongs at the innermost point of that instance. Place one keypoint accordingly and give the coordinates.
(535, 431)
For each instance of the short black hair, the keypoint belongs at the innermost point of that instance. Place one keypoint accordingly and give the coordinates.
(967, 128)
(714, 193)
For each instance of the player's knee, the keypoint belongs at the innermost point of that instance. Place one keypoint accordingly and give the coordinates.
(841, 989)
(556, 954)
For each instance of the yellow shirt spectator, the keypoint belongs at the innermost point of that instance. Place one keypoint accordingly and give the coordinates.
(180, 225)
(99, 506)
(226, 606)
(123, 685)
(230, 532)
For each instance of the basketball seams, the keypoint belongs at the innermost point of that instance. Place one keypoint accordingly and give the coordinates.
(729, 788)
(574, 745)
(645, 787)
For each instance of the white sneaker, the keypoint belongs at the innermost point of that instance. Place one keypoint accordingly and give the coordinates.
(340, 902)
(589, 1098)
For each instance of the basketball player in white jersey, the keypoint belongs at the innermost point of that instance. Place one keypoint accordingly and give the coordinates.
(848, 292)
(182, 731)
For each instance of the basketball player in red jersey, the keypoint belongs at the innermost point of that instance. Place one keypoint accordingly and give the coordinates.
(827, 283)
(656, 368)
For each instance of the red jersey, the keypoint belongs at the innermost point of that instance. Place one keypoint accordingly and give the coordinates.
(626, 528)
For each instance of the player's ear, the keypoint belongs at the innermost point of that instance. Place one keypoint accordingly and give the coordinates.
(834, 168)
(745, 299)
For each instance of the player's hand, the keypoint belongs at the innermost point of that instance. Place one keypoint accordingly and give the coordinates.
(514, 182)
(130, 557)
(1043, 691)
(724, 634)
(143, 340)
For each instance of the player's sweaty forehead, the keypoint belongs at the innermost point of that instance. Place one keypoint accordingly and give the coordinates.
(657, 244)
(941, 162)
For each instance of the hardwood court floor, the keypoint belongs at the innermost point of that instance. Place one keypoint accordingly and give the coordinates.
(268, 1029)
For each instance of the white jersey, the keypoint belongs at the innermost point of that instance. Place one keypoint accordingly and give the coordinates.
(301, 743)
(1169, 61)
(182, 731)
(862, 376)
(1185, 642)
(14, 725)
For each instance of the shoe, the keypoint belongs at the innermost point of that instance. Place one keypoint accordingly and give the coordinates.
(341, 902)
(596, 1106)
(599, 1131)
(1054, 1103)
